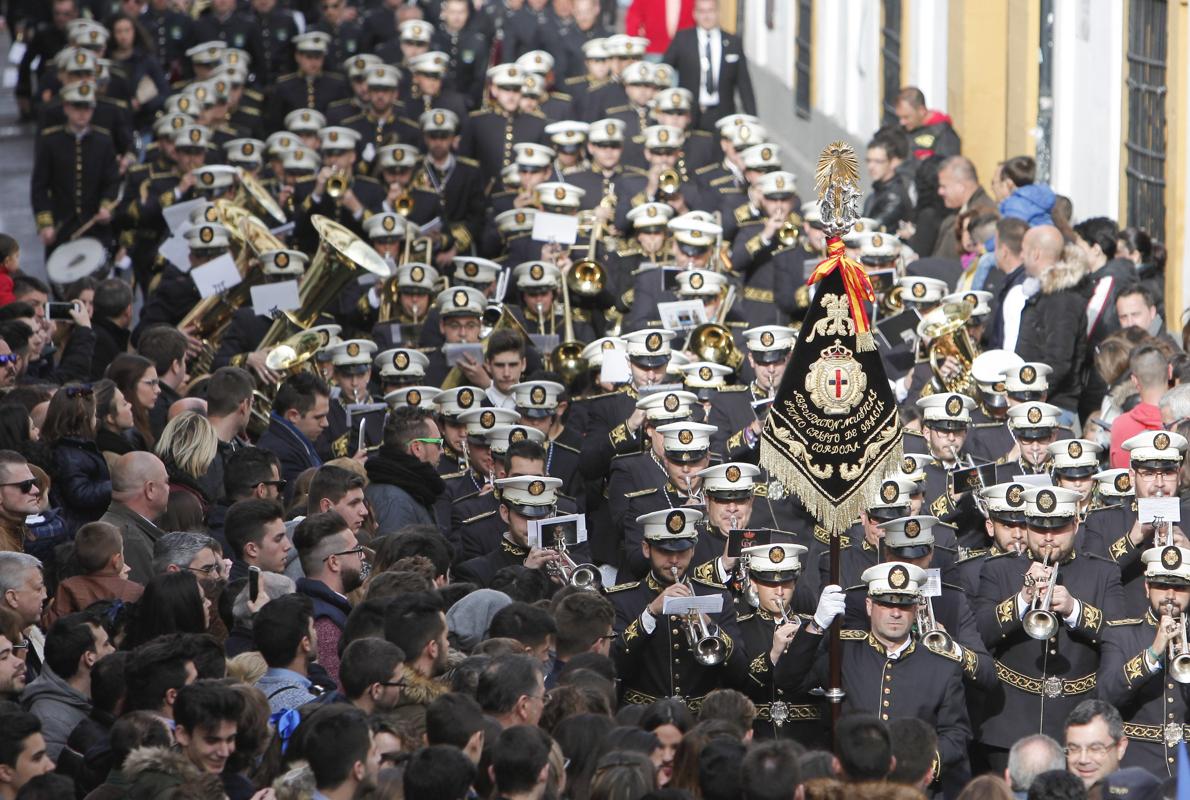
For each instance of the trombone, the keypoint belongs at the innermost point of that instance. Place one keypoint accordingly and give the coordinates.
(1040, 622)
(1178, 653)
(580, 576)
(567, 358)
(705, 639)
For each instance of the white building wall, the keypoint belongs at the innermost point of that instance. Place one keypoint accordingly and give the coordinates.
(1088, 82)
(924, 49)
(847, 61)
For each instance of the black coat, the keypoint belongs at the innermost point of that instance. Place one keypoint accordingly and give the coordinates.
(684, 56)
(293, 453)
(888, 203)
(1054, 331)
(82, 485)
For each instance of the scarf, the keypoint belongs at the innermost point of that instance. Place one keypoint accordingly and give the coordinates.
(392, 466)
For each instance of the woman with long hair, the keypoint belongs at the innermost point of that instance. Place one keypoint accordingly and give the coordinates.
(136, 378)
(19, 432)
(187, 447)
(668, 720)
(114, 419)
(82, 485)
(131, 48)
(173, 602)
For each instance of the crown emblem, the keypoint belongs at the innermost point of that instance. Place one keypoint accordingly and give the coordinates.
(1028, 374)
(1034, 415)
(1074, 449)
(898, 577)
(1046, 502)
(1171, 558)
(400, 359)
(417, 274)
(1123, 483)
(889, 491)
(705, 373)
(537, 395)
(836, 381)
(912, 528)
(954, 406)
(460, 298)
(732, 474)
(1015, 495)
(1161, 441)
(487, 419)
(353, 349)
(675, 521)
(776, 554)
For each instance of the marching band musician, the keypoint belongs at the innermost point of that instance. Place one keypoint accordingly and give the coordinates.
(451, 403)
(774, 570)
(355, 199)
(762, 247)
(945, 418)
(694, 239)
(455, 179)
(1154, 468)
(646, 246)
(428, 91)
(1144, 667)
(738, 413)
(352, 360)
(1073, 464)
(460, 312)
(310, 86)
(1003, 506)
(663, 153)
(653, 651)
(862, 551)
(884, 669)
(1034, 425)
(539, 283)
(176, 292)
(378, 124)
(1111, 487)
(356, 69)
(398, 368)
(533, 164)
(305, 123)
(480, 469)
(1044, 631)
(489, 134)
(569, 139)
(240, 345)
(394, 166)
(989, 438)
(686, 454)
(542, 406)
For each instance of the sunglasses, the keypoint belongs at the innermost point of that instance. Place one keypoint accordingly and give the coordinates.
(24, 486)
(8, 359)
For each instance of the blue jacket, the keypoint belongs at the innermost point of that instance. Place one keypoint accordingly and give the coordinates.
(295, 451)
(1032, 203)
(327, 603)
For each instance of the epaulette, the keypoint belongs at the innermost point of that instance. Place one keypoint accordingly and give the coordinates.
(368, 179)
(115, 101)
(341, 101)
(1099, 508)
(911, 432)
(853, 634)
(51, 129)
(743, 213)
(624, 455)
(701, 576)
(291, 76)
(991, 424)
(537, 114)
(305, 179)
(410, 122)
(251, 111)
(479, 112)
(575, 79)
(973, 554)
(705, 169)
(156, 176)
(101, 129)
(561, 96)
(255, 95)
(735, 387)
(641, 492)
(629, 251)
(634, 170)
(616, 110)
(619, 587)
(565, 446)
(728, 190)
(1000, 555)
(954, 586)
(745, 617)
(612, 393)
(478, 517)
(1115, 623)
(352, 118)
(471, 162)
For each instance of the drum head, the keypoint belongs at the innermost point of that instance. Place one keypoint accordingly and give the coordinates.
(75, 260)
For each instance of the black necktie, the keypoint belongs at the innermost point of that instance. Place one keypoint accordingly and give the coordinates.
(711, 88)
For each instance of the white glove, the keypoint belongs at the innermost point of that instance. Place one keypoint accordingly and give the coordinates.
(830, 605)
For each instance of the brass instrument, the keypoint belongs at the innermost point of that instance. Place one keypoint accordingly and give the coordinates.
(1041, 623)
(932, 636)
(586, 278)
(338, 184)
(340, 258)
(946, 330)
(567, 358)
(210, 317)
(705, 639)
(404, 205)
(1178, 654)
(744, 580)
(790, 232)
(669, 183)
(257, 200)
(580, 576)
(1162, 532)
(712, 341)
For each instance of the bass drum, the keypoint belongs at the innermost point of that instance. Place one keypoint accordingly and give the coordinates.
(73, 261)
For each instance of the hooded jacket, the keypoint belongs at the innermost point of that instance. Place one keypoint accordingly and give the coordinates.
(416, 696)
(153, 771)
(401, 489)
(58, 705)
(1032, 203)
(1054, 328)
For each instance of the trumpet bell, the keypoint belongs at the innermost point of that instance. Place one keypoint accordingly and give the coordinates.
(713, 342)
(567, 360)
(669, 182)
(338, 184)
(587, 278)
(710, 651)
(1040, 623)
(404, 205)
(938, 640)
(1179, 668)
(586, 577)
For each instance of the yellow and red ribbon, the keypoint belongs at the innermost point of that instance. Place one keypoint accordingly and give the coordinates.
(855, 283)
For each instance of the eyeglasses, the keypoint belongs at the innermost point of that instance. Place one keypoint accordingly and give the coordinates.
(1146, 473)
(401, 683)
(24, 486)
(1096, 750)
(355, 551)
(427, 440)
(207, 569)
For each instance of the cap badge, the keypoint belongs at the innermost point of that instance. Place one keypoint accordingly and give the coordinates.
(608, 345)
(537, 395)
(705, 373)
(767, 338)
(471, 269)
(908, 465)
(877, 240)
(1123, 482)
(898, 577)
(417, 274)
(675, 521)
(401, 360)
(208, 178)
(889, 491)
(776, 554)
(353, 349)
(519, 218)
(954, 406)
(1171, 558)
(685, 436)
(439, 118)
(766, 153)
(653, 342)
(195, 135)
(732, 474)
(696, 280)
(651, 211)
(465, 399)
(1028, 374)
(487, 419)
(389, 223)
(610, 128)
(536, 272)
(663, 136)
(1015, 495)
(671, 402)
(413, 398)
(971, 299)
(1074, 450)
(460, 298)
(1161, 441)
(1046, 502)
(1034, 415)
(919, 290)
(517, 435)
(912, 528)
(207, 235)
(536, 487)
(559, 193)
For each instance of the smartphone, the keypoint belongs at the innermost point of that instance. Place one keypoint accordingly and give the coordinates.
(253, 583)
(60, 311)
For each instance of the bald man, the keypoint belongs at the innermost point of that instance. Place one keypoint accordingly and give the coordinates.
(140, 495)
(195, 404)
(958, 186)
(1041, 248)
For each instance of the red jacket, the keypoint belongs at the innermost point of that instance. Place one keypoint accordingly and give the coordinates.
(647, 18)
(1143, 417)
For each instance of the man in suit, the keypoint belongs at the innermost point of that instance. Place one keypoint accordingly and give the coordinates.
(711, 64)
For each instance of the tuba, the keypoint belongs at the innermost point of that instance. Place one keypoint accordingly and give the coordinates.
(945, 328)
(567, 358)
(254, 197)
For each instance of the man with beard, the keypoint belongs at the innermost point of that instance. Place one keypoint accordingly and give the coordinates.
(12, 663)
(284, 633)
(416, 623)
(372, 674)
(403, 477)
(738, 415)
(335, 564)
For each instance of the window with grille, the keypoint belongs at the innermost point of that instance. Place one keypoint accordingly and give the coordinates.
(801, 67)
(1148, 38)
(890, 57)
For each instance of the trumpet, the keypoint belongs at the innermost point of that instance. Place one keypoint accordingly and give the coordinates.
(1162, 533)
(790, 232)
(705, 639)
(932, 635)
(403, 205)
(669, 183)
(1178, 653)
(580, 576)
(1040, 622)
(691, 494)
(338, 183)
